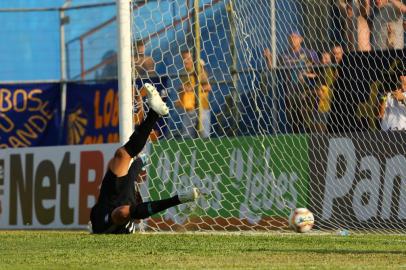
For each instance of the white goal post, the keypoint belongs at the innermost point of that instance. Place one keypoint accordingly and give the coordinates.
(124, 69)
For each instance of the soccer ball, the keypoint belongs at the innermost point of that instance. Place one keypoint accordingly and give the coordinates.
(301, 220)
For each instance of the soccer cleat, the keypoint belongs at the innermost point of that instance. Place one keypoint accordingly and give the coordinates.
(190, 195)
(155, 101)
(90, 227)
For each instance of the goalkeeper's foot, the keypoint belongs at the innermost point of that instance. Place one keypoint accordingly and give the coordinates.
(155, 101)
(190, 195)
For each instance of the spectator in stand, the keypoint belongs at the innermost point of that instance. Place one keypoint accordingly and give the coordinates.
(110, 68)
(187, 98)
(324, 94)
(325, 58)
(328, 77)
(393, 108)
(145, 68)
(354, 14)
(338, 54)
(338, 100)
(299, 81)
(297, 54)
(144, 65)
(387, 22)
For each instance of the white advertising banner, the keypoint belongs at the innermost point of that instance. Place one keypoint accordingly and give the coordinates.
(51, 187)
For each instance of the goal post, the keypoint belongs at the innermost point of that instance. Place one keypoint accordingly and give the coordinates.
(124, 61)
(196, 10)
(292, 111)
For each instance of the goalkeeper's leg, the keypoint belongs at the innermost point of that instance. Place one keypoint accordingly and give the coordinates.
(122, 157)
(121, 215)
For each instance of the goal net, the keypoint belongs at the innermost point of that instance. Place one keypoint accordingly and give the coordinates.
(274, 105)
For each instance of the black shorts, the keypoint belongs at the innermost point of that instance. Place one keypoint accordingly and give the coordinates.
(100, 218)
(115, 191)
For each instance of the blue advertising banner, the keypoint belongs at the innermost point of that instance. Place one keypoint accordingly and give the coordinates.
(29, 114)
(92, 114)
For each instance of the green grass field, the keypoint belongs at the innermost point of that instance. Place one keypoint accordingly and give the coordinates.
(80, 250)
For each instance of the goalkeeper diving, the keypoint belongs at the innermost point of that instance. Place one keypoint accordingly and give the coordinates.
(117, 207)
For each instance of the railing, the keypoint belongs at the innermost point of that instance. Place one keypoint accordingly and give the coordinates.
(84, 72)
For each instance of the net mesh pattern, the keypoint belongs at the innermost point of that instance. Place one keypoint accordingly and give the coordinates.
(275, 105)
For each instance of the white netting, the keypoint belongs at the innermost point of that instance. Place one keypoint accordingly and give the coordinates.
(286, 114)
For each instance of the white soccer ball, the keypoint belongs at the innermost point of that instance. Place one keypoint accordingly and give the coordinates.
(301, 220)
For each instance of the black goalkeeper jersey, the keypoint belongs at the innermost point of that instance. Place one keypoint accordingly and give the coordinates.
(117, 191)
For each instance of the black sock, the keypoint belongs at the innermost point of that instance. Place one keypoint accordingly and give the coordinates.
(147, 209)
(139, 138)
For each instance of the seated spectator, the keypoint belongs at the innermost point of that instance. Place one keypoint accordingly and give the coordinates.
(299, 81)
(187, 98)
(387, 25)
(393, 108)
(144, 65)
